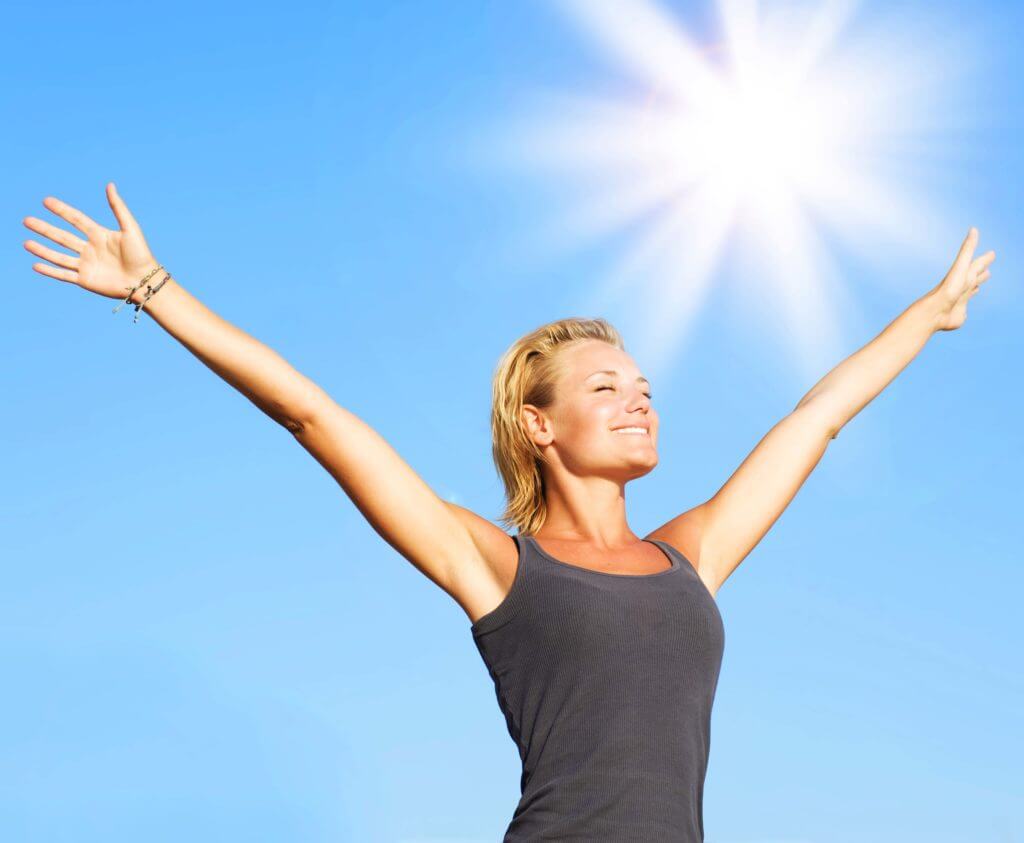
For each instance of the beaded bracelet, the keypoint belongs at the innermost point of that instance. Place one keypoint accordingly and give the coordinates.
(150, 292)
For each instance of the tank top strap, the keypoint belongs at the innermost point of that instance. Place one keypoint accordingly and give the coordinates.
(515, 599)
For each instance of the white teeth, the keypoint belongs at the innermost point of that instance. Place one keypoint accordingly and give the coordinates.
(632, 430)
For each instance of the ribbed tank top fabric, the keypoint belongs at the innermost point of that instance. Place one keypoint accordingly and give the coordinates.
(606, 682)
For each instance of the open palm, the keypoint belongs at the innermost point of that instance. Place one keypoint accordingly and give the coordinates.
(107, 262)
(962, 281)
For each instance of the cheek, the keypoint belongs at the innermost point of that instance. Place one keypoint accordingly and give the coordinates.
(603, 414)
(602, 419)
(593, 421)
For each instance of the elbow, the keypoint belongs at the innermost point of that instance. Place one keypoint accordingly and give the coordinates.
(298, 416)
(297, 422)
(823, 418)
(285, 415)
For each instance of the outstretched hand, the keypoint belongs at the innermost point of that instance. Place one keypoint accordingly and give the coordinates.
(108, 262)
(962, 281)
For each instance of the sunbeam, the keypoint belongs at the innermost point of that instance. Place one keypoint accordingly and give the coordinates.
(767, 140)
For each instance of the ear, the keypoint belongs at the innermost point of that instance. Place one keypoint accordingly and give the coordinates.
(536, 423)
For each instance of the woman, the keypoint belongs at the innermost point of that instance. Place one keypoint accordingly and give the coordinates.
(604, 648)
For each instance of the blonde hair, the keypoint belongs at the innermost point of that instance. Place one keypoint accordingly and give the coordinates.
(527, 373)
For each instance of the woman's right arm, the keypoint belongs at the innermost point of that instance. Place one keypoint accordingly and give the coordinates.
(250, 366)
(396, 501)
(399, 505)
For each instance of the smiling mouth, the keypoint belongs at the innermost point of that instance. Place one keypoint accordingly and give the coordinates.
(632, 431)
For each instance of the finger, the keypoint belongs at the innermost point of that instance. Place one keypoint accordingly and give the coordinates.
(120, 209)
(52, 255)
(963, 258)
(60, 274)
(57, 235)
(79, 220)
(984, 260)
(981, 279)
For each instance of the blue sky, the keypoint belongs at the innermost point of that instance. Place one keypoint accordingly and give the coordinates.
(204, 640)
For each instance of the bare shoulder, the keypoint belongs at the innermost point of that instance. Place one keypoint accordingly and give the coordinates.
(480, 583)
(685, 533)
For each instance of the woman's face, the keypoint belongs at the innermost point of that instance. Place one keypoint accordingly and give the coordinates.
(600, 391)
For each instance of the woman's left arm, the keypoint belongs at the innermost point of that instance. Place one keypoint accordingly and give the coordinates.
(844, 391)
(744, 509)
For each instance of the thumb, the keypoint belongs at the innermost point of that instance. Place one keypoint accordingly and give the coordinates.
(124, 216)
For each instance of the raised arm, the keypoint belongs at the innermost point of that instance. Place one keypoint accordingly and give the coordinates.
(430, 533)
(723, 530)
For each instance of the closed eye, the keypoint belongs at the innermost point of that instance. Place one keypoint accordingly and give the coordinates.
(649, 396)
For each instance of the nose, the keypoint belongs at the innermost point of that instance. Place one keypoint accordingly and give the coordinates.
(641, 400)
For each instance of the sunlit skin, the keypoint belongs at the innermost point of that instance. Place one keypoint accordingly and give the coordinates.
(587, 463)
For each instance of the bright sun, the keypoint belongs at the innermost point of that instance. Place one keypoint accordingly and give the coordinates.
(766, 138)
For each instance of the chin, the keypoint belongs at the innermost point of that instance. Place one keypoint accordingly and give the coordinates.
(642, 469)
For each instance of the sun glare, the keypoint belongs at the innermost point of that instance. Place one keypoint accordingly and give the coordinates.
(765, 138)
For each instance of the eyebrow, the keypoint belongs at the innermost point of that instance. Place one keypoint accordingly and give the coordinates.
(612, 372)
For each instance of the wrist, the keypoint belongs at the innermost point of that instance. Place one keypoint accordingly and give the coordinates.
(155, 292)
(932, 308)
(135, 283)
(154, 278)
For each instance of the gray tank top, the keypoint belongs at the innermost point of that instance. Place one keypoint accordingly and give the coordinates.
(606, 682)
